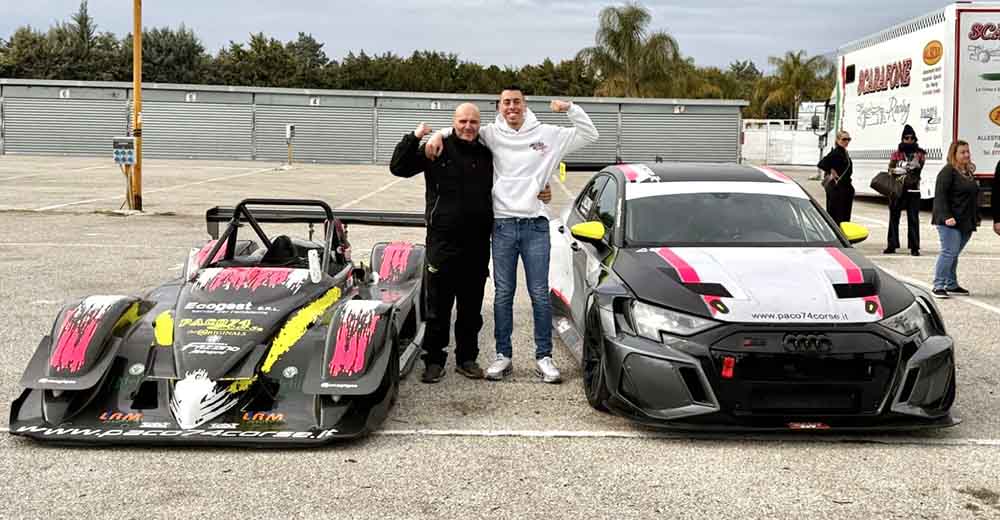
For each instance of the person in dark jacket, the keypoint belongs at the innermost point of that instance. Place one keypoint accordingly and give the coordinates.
(459, 216)
(956, 206)
(906, 164)
(837, 169)
(995, 204)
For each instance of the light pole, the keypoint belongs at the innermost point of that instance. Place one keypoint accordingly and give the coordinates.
(136, 185)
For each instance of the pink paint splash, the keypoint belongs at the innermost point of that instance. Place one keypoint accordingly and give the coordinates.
(630, 174)
(775, 174)
(395, 258)
(855, 276)
(353, 339)
(253, 278)
(75, 336)
(206, 249)
(687, 275)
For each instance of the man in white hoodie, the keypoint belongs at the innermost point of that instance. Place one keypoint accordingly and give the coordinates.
(525, 155)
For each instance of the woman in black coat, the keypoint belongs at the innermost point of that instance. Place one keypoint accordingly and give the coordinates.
(837, 169)
(905, 164)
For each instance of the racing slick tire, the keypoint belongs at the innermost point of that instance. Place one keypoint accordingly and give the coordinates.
(594, 383)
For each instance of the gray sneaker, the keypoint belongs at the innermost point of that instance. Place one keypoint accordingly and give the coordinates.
(547, 370)
(499, 369)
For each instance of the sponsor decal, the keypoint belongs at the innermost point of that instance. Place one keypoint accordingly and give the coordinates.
(932, 116)
(896, 112)
(995, 116)
(885, 77)
(395, 258)
(48, 380)
(228, 308)
(357, 327)
(211, 348)
(296, 327)
(137, 369)
(116, 417)
(262, 419)
(192, 433)
(338, 385)
(77, 332)
(539, 147)
(984, 31)
(251, 278)
(154, 425)
(290, 372)
(933, 52)
(219, 326)
(223, 426)
(808, 426)
(799, 316)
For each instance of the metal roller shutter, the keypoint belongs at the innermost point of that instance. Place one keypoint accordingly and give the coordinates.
(196, 130)
(604, 151)
(394, 122)
(689, 137)
(322, 134)
(62, 126)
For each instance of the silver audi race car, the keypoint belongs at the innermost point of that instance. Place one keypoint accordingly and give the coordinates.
(723, 297)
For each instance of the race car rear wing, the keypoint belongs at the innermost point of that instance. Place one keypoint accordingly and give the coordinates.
(299, 215)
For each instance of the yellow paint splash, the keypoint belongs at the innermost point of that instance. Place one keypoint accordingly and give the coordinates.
(131, 316)
(297, 326)
(163, 329)
(240, 385)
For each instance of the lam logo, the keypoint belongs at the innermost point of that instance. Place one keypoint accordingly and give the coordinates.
(263, 418)
(120, 417)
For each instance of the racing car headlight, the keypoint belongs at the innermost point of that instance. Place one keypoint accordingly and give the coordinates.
(650, 321)
(910, 321)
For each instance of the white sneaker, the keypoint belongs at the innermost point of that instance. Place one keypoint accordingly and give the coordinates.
(547, 370)
(499, 369)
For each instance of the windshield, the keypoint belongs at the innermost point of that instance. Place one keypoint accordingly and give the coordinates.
(726, 219)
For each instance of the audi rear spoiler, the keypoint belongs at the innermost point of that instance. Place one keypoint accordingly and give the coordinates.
(309, 215)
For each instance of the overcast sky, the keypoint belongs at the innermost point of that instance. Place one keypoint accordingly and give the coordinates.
(500, 32)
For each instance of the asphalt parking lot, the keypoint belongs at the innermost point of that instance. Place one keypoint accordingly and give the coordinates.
(519, 448)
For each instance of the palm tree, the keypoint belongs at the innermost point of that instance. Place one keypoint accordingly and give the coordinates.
(628, 60)
(795, 78)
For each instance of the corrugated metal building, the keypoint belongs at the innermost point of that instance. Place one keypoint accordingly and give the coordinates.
(331, 126)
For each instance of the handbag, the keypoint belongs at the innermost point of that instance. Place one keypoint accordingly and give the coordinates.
(888, 184)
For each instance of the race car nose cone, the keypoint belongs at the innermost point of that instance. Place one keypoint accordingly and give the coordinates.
(197, 399)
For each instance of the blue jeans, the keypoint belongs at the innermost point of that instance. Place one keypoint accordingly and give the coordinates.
(952, 243)
(527, 238)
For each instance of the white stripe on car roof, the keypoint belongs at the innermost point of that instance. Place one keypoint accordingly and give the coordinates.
(657, 189)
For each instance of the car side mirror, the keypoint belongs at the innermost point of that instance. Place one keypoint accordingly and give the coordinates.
(591, 232)
(854, 232)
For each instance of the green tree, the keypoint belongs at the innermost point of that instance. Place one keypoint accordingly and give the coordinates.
(628, 60)
(170, 56)
(797, 78)
(264, 62)
(309, 62)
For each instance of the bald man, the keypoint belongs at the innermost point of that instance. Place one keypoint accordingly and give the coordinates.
(459, 216)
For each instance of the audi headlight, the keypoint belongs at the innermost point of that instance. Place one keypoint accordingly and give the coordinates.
(650, 321)
(910, 321)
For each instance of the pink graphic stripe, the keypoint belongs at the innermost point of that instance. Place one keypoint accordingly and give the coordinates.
(253, 278)
(630, 174)
(558, 294)
(200, 258)
(353, 340)
(687, 274)
(855, 276)
(75, 336)
(774, 174)
(395, 258)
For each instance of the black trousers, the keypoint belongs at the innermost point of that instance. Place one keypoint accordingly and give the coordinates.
(840, 201)
(910, 202)
(459, 284)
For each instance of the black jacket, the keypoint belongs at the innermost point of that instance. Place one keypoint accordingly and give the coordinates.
(956, 196)
(839, 160)
(459, 197)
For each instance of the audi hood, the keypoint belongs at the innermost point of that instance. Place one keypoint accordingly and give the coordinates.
(764, 284)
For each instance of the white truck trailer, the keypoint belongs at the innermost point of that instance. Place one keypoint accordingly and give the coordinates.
(939, 73)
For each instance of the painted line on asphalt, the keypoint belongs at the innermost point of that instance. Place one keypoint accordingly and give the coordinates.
(160, 190)
(870, 221)
(372, 194)
(569, 195)
(84, 245)
(963, 299)
(931, 257)
(592, 434)
(30, 175)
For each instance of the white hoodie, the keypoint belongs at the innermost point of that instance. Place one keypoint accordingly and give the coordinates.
(523, 160)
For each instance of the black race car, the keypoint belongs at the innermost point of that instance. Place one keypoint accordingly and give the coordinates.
(268, 341)
(723, 297)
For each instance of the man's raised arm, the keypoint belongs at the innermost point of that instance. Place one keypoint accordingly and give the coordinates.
(583, 131)
(408, 158)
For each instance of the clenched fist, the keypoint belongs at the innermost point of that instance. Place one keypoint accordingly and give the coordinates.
(422, 130)
(560, 106)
